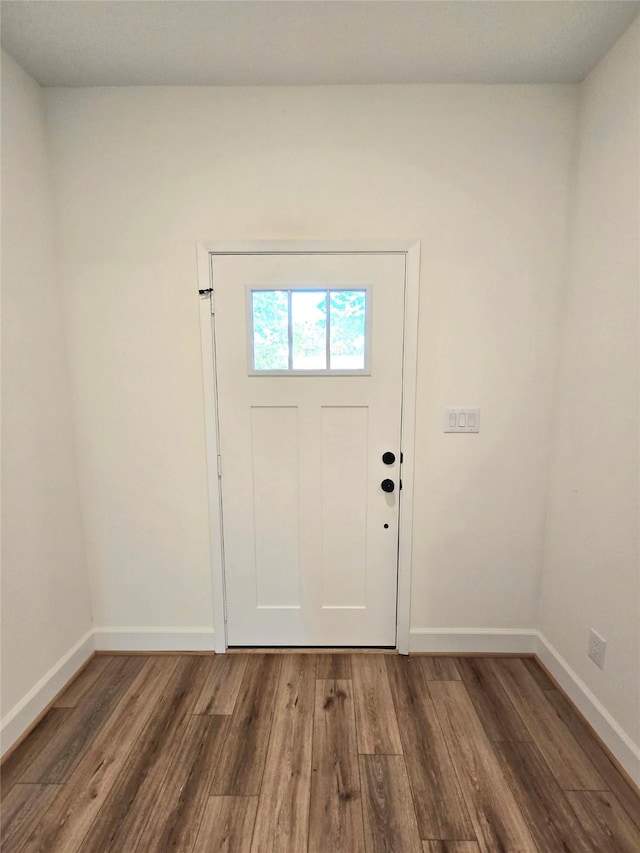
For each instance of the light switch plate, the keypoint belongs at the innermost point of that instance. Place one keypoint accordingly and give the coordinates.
(462, 420)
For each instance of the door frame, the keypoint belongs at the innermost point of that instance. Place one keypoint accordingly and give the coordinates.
(206, 251)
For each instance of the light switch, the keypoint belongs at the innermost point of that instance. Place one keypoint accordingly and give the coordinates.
(462, 420)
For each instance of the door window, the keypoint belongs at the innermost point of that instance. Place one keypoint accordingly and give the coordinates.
(309, 331)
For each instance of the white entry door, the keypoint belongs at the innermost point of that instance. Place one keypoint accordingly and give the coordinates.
(308, 351)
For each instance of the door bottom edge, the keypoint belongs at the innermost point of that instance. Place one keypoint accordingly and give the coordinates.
(249, 649)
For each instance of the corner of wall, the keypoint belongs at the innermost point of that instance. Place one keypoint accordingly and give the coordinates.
(589, 574)
(44, 572)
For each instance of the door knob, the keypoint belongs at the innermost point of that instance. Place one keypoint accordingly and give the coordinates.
(388, 458)
(387, 485)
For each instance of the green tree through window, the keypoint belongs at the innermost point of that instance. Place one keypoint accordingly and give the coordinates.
(293, 330)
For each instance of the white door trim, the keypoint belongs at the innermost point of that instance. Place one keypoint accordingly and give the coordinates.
(411, 250)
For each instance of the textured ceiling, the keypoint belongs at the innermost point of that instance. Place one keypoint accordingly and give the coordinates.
(162, 42)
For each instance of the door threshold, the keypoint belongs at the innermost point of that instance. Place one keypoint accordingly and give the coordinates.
(311, 650)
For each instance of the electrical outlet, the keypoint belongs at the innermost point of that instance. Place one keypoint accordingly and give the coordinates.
(597, 648)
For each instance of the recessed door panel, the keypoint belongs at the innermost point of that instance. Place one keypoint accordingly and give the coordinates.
(345, 451)
(274, 456)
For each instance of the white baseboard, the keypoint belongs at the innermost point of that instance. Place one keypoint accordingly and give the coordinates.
(435, 640)
(23, 715)
(154, 639)
(620, 744)
(473, 640)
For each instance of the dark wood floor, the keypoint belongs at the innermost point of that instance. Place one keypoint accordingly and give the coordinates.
(297, 752)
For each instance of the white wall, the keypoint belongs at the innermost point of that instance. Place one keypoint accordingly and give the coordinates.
(45, 596)
(591, 574)
(478, 174)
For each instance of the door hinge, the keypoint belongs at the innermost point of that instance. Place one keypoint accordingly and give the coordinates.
(224, 609)
(219, 466)
(209, 291)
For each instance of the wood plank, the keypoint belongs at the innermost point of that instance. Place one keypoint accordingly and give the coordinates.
(376, 724)
(72, 813)
(227, 825)
(624, 793)
(143, 780)
(389, 818)
(243, 755)
(335, 820)
(550, 818)
(178, 811)
(282, 821)
(439, 804)
(539, 675)
(568, 762)
(66, 747)
(121, 822)
(16, 764)
(497, 713)
(606, 822)
(222, 684)
(83, 682)
(22, 808)
(497, 820)
(334, 666)
(439, 668)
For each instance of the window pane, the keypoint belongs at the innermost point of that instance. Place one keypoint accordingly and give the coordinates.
(347, 344)
(270, 329)
(309, 325)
